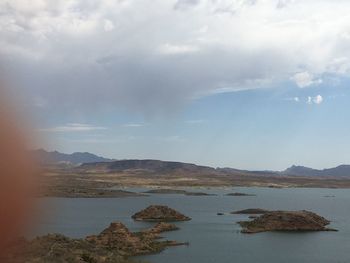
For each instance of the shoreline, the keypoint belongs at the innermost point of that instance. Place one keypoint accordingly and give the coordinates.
(57, 183)
(132, 191)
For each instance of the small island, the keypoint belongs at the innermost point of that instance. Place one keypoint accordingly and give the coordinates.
(177, 191)
(296, 221)
(239, 194)
(159, 213)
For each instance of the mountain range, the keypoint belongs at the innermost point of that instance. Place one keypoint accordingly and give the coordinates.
(339, 171)
(89, 161)
(55, 157)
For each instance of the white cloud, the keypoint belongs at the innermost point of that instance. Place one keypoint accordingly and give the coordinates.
(284, 3)
(108, 25)
(158, 57)
(73, 127)
(293, 99)
(314, 100)
(169, 49)
(183, 4)
(133, 125)
(318, 99)
(305, 79)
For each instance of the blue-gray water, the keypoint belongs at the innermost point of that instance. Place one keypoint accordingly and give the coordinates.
(212, 238)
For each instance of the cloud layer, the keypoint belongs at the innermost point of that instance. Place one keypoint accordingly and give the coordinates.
(73, 127)
(152, 56)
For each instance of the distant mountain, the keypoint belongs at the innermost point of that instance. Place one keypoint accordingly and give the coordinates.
(45, 157)
(149, 166)
(92, 162)
(229, 170)
(339, 171)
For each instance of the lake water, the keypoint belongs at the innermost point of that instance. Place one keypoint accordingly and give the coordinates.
(212, 238)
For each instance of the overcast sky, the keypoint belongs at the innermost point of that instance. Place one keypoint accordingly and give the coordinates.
(254, 84)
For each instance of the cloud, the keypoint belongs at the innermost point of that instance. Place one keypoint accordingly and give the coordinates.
(183, 4)
(169, 49)
(232, 7)
(315, 100)
(318, 99)
(80, 56)
(305, 79)
(283, 3)
(133, 125)
(108, 25)
(73, 127)
(294, 99)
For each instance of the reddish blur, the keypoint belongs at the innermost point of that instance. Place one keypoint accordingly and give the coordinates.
(17, 176)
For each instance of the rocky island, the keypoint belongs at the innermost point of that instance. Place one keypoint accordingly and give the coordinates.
(297, 221)
(115, 244)
(161, 227)
(177, 191)
(239, 194)
(159, 213)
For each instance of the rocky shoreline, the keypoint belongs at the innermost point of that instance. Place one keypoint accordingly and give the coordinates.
(115, 244)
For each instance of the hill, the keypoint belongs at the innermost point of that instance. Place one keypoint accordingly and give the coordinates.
(341, 171)
(148, 166)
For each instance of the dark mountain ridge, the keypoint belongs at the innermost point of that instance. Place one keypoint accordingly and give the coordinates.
(50, 158)
(339, 171)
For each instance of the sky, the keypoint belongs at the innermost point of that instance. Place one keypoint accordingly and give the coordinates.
(250, 84)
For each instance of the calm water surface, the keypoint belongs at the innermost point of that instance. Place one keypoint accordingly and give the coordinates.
(212, 238)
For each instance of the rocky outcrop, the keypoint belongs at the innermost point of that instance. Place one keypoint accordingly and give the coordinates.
(113, 245)
(251, 211)
(286, 221)
(166, 191)
(199, 194)
(159, 213)
(177, 191)
(117, 236)
(57, 248)
(239, 194)
(161, 227)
